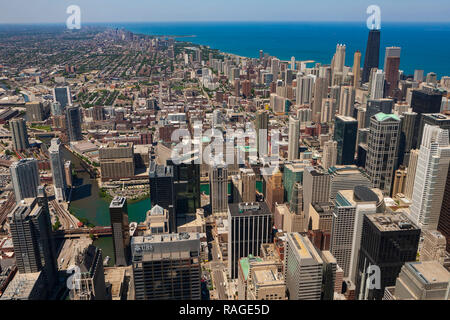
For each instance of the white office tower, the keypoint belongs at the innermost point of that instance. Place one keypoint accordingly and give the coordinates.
(327, 112)
(329, 154)
(25, 178)
(302, 268)
(347, 101)
(304, 116)
(219, 189)
(292, 63)
(294, 136)
(377, 85)
(391, 52)
(431, 175)
(58, 173)
(339, 58)
(304, 91)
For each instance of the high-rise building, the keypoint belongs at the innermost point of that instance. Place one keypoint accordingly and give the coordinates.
(250, 225)
(162, 190)
(408, 121)
(393, 52)
(430, 178)
(262, 125)
(304, 89)
(316, 187)
(399, 181)
(219, 189)
(19, 134)
(346, 178)
(424, 101)
(420, 281)
(90, 283)
(375, 106)
(117, 160)
(328, 275)
(166, 266)
(73, 119)
(389, 239)
(118, 212)
(345, 130)
(444, 218)
(356, 69)
(392, 75)
(303, 268)
(372, 56)
(25, 178)
(433, 246)
(57, 166)
(411, 173)
(418, 75)
(383, 143)
(377, 84)
(274, 190)
(432, 119)
(31, 233)
(347, 101)
(329, 158)
(294, 137)
(244, 186)
(34, 111)
(320, 93)
(63, 96)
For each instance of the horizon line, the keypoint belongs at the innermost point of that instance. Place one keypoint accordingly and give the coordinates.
(227, 21)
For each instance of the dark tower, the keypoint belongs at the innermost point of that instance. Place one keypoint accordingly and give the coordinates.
(118, 211)
(372, 57)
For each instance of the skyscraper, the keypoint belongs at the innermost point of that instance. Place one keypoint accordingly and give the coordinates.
(166, 266)
(345, 130)
(430, 178)
(392, 75)
(377, 84)
(304, 89)
(375, 106)
(329, 154)
(303, 268)
(25, 178)
(63, 96)
(19, 134)
(73, 118)
(118, 212)
(382, 144)
(218, 176)
(372, 55)
(423, 101)
(250, 225)
(161, 190)
(57, 165)
(316, 187)
(389, 239)
(356, 69)
(320, 93)
(274, 189)
(294, 137)
(32, 237)
(347, 101)
(262, 125)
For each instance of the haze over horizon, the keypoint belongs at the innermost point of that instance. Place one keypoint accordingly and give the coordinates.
(119, 11)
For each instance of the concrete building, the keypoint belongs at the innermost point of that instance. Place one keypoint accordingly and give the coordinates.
(411, 173)
(117, 160)
(157, 220)
(384, 136)
(73, 120)
(329, 157)
(219, 189)
(89, 284)
(316, 187)
(250, 225)
(58, 171)
(294, 137)
(433, 246)
(34, 111)
(274, 190)
(430, 178)
(118, 211)
(166, 266)
(32, 238)
(399, 181)
(420, 281)
(346, 178)
(303, 268)
(25, 178)
(26, 286)
(19, 134)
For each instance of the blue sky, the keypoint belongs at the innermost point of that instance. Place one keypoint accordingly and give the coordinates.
(36, 11)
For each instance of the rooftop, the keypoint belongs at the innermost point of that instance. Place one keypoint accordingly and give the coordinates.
(429, 272)
(383, 116)
(391, 221)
